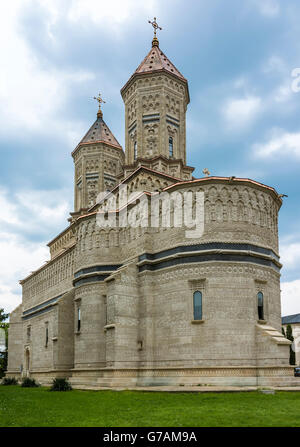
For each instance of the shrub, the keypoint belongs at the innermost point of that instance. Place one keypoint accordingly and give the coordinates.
(9, 381)
(289, 336)
(29, 383)
(60, 384)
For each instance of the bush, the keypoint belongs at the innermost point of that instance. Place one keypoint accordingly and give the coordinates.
(9, 381)
(60, 384)
(29, 383)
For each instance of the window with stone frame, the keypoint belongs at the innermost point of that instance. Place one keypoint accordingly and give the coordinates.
(197, 289)
(135, 150)
(171, 147)
(105, 309)
(46, 335)
(78, 319)
(28, 332)
(197, 305)
(260, 305)
(261, 299)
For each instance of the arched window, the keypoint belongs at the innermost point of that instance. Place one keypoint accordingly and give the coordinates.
(197, 305)
(28, 333)
(171, 151)
(27, 362)
(47, 336)
(135, 150)
(78, 319)
(260, 305)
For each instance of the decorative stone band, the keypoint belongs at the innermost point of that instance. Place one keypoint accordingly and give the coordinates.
(218, 251)
(217, 371)
(96, 269)
(173, 123)
(40, 308)
(172, 118)
(151, 118)
(90, 279)
(94, 274)
(199, 371)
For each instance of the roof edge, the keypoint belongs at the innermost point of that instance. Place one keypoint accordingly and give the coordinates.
(164, 71)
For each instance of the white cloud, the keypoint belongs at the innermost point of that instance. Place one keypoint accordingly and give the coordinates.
(290, 297)
(30, 95)
(269, 8)
(113, 11)
(290, 290)
(240, 82)
(290, 254)
(38, 212)
(275, 64)
(280, 143)
(50, 208)
(283, 93)
(18, 258)
(241, 112)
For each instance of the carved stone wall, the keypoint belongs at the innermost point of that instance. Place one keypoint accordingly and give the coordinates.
(155, 107)
(62, 242)
(50, 281)
(89, 342)
(96, 170)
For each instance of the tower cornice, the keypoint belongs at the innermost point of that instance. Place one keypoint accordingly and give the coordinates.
(156, 72)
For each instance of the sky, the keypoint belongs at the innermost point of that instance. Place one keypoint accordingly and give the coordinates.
(240, 58)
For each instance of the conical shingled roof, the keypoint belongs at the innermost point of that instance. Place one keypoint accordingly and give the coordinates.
(156, 60)
(100, 132)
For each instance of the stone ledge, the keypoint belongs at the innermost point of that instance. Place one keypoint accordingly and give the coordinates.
(109, 326)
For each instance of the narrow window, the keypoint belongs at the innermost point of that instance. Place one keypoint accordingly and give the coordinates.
(28, 333)
(105, 309)
(135, 150)
(260, 305)
(78, 319)
(47, 336)
(170, 146)
(197, 305)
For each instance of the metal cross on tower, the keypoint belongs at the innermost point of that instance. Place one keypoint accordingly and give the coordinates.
(155, 28)
(206, 172)
(100, 101)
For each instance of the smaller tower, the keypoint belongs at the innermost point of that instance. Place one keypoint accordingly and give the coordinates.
(98, 160)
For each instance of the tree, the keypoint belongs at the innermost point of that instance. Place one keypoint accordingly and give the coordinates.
(289, 336)
(3, 316)
(3, 355)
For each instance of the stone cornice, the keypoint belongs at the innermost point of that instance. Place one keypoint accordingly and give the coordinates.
(227, 180)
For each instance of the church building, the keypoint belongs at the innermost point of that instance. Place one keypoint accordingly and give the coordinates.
(141, 303)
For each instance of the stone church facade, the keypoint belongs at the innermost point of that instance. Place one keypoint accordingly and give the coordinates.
(129, 305)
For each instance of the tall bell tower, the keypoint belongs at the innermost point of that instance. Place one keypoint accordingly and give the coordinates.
(156, 98)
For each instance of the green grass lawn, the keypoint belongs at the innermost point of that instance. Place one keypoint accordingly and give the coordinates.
(38, 407)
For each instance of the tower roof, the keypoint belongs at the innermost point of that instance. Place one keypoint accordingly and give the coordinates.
(99, 132)
(156, 60)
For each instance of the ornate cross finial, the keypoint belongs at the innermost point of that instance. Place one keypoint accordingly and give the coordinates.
(206, 172)
(100, 101)
(155, 27)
